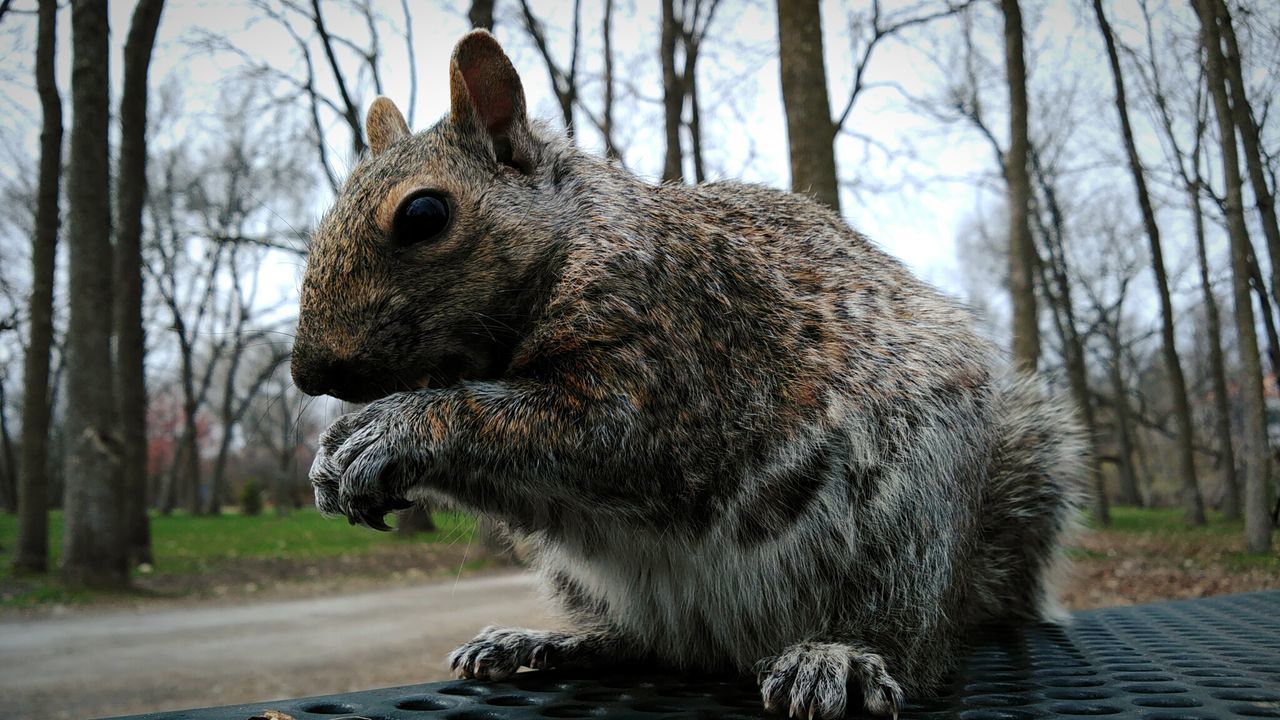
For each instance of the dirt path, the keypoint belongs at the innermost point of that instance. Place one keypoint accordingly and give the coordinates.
(115, 663)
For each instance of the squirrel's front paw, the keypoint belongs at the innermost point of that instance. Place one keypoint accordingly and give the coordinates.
(811, 680)
(498, 652)
(366, 462)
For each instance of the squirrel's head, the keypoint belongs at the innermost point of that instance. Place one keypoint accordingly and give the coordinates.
(423, 273)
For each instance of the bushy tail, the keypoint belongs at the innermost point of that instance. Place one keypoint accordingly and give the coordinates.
(1036, 486)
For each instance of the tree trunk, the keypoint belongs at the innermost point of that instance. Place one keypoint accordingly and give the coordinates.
(217, 478)
(189, 481)
(672, 96)
(1078, 380)
(94, 548)
(1254, 448)
(9, 481)
(606, 113)
(1072, 346)
(695, 119)
(1192, 502)
(1130, 493)
(1264, 305)
(481, 14)
(166, 495)
(32, 551)
(1217, 367)
(227, 417)
(414, 520)
(185, 487)
(495, 538)
(131, 195)
(1242, 114)
(1146, 475)
(1026, 319)
(810, 133)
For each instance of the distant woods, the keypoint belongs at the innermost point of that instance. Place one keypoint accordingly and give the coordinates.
(1121, 168)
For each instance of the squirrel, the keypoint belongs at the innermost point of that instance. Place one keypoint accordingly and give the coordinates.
(739, 436)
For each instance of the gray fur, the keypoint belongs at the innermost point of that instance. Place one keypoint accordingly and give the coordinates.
(739, 435)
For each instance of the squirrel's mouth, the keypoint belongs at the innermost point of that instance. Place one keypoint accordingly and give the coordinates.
(445, 372)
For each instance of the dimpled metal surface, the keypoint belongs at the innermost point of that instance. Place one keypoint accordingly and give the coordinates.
(1187, 660)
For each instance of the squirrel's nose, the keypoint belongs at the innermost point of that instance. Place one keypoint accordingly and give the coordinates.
(309, 376)
(317, 371)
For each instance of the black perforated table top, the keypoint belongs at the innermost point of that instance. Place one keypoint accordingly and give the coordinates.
(1187, 660)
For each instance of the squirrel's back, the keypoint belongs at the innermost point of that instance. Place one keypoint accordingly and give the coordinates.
(828, 411)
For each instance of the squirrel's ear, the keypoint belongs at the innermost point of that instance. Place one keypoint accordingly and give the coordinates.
(384, 125)
(485, 94)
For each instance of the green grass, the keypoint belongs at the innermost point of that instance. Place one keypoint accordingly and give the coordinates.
(1219, 542)
(188, 545)
(185, 544)
(1167, 521)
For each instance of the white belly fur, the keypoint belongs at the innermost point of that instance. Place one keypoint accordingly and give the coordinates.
(708, 604)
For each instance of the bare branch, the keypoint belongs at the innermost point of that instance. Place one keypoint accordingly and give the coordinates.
(350, 112)
(412, 59)
(879, 33)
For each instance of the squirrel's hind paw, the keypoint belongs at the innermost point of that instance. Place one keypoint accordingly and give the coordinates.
(811, 680)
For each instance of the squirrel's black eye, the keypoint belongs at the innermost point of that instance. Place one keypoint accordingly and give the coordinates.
(420, 218)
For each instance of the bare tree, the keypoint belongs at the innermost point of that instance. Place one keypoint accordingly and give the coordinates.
(810, 134)
(672, 99)
(1116, 262)
(94, 549)
(1055, 279)
(32, 551)
(1217, 366)
(207, 213)
(318, 42)
(1192, 502)
(1130, 494)
(481, 14)
(606, 112)
(1254, 449)
(131, 195)
(1022, 261)
(564, 80)
(237, 394)
(8, 459)
(1187, 167)
(349, 109)
(812, 139)
(1243, 117)
(276, 422)
(188, 294)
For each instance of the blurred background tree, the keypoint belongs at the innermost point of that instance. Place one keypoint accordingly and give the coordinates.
(1089, 179)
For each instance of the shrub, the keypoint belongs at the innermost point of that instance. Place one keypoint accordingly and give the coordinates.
(251, 497)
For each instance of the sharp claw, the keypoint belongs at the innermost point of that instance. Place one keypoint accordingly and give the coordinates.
(370, 518)
(376, 521)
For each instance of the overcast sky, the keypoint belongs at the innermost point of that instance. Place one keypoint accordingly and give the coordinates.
(918, 177)
(740, 96)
